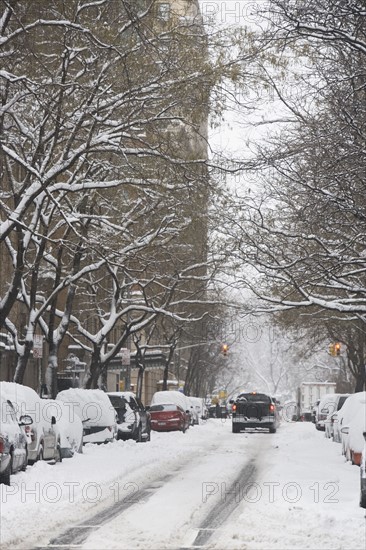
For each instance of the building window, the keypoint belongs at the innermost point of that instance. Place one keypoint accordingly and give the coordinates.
(163, 11)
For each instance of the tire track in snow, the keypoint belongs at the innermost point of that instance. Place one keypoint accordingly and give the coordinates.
(224, 508)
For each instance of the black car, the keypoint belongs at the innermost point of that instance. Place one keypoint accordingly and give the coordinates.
(255, 411)
(13, 441)
(133, 420)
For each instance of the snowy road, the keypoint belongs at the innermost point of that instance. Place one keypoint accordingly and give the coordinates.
(208, 488)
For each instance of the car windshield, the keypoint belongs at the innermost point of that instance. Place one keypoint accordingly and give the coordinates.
(117, 401)
(342, 399)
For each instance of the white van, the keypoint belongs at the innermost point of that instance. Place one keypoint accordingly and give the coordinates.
(96, 412)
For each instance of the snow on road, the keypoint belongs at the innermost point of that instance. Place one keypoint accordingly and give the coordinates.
(167, 493)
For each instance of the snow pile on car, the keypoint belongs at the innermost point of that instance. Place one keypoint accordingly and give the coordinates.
(171, 396)
(92, 406)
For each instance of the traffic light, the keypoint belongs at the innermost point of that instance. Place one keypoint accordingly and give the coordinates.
(224, 349)
(335, 349)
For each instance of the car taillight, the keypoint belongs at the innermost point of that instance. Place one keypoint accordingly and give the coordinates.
(234, 408)
(272, 407)
(2, 445)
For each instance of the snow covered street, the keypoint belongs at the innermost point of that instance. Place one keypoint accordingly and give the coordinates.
(206, 488)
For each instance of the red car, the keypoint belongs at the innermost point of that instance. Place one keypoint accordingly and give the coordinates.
(168, 417)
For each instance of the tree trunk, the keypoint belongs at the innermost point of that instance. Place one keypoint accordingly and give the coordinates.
(95, 369)
(22, 363)
(51, 371)
(140, 379)
(361, 379)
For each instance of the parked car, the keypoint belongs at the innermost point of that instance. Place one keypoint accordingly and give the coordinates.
(194, 410)
(363, 475)
(352, 435)
(133, 420)
(200, 407)
(327, 405)
(350, 425)
(95, 411)
(176, 397)
(42, 435)
(13, 441)
(69, 426)
(167, 417)
(254, 410)
(332, 417)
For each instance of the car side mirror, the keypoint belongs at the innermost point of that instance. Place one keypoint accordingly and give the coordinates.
(53, 420)
(25, 420)
(364, 435)
(345, 430)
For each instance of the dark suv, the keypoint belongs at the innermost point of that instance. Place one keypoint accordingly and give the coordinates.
(254, 410)
(133, 420)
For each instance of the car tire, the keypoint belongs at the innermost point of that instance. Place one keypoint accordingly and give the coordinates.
(139, 438)
(5, 476)
(235, 428)
(272, 430)
(362, 493)
(40, 453)
(25, 463)
(58, 455)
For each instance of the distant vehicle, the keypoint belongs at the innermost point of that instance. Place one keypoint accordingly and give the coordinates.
(254, 410)
(167, 417)
(42, 435)
(133, 420)
(200, 406)
(13, 441)
(340, 398)
(95, 411)
(363, 475)
(352, 419)
(308, 394)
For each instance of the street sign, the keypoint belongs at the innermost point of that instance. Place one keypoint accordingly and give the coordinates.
(125, 357)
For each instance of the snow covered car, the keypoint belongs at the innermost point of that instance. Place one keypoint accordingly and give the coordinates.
(200, 407)
(352, 433)
(332, 417)
(133, 420)
(13, 441)
(327, 405)
(43, 438)
(176, 397)
(354, 407)
(363, 475)
(168, 417)
(69, 426)
(95, 411)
